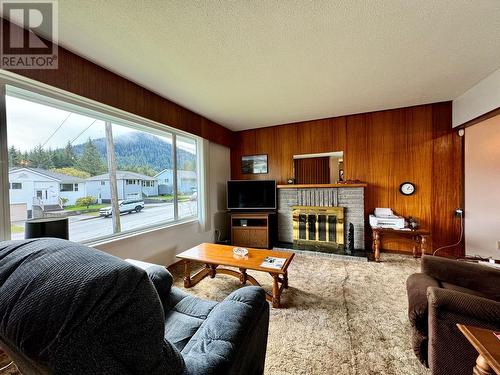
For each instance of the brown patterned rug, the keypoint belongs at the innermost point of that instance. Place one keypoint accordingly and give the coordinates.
(338, 317)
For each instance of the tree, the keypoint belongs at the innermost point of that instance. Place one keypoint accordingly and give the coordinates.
(90, 161)
(15, 157)
(39, 158)
(69, 156)
(188, 165)
(85, 201)
(71, 172)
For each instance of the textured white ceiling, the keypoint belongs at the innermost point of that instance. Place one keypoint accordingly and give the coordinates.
(247, 64)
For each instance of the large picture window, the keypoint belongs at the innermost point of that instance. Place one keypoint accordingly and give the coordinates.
(72, 161)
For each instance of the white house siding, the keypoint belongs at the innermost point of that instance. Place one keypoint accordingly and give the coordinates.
(98, 190)
(72, 196)
(151, 191)
(101, 191)
(31, 182)
(165, 181)
(24, 195)
(132, 190)
(186, 181)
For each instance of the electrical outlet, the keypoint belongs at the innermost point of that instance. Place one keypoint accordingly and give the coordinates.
(459, 212)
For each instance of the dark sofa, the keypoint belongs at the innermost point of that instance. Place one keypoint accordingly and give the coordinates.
(444, 293)
(69, 309)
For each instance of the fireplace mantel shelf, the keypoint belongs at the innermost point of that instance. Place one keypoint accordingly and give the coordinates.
(315, 186)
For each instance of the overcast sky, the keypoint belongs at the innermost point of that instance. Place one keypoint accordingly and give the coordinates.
(30, 124)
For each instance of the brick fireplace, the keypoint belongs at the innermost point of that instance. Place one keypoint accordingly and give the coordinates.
(322, 203)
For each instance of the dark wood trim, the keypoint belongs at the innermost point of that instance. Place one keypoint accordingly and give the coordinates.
(346, 116)
(477, 120)
(81, 76)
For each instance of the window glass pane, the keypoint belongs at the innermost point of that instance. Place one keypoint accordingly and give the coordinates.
(187, 177)
(53, 153)
(143, 158)
(58, 167)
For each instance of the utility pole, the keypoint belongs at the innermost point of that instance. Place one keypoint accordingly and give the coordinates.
(110, 148)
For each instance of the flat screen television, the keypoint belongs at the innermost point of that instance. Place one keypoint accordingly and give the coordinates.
(251, 195)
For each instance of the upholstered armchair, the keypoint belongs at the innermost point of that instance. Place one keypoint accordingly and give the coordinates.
(69, 309)
(444, 293)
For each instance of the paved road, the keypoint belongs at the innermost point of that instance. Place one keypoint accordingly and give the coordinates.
(84, 227)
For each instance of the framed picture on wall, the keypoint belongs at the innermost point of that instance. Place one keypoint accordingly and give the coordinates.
(254, 164)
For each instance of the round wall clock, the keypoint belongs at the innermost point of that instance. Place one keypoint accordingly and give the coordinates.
(407, 188)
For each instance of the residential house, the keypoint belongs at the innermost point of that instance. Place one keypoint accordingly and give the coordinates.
(43, 188)
(187, 181)
(129, 185)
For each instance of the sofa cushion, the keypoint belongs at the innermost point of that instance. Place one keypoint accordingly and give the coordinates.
(215, 346)
(185, 317)
(95, 313)
(416, 286)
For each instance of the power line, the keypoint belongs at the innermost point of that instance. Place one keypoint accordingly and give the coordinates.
(87, 128)
(55, 131)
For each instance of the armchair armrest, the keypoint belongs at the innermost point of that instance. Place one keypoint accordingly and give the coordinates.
(465, 274)
(449, 352)
(468, 306)
(162, 279)
(233, 338)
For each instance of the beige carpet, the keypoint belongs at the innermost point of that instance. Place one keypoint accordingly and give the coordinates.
(5, 368)
(338, 316)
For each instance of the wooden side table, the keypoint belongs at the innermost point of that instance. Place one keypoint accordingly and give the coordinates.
(488, 347)
(419, 237)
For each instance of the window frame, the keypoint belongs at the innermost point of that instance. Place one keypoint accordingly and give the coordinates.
(11, 184)
(104, 112)
(65, 190)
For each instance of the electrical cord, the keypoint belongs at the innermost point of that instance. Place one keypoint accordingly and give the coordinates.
(6, 366)
(461, 236)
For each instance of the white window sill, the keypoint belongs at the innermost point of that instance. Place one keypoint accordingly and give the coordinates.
(138, 232)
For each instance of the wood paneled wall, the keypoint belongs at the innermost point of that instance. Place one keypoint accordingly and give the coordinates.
(312, 171)
(82, 77)
(384, 149)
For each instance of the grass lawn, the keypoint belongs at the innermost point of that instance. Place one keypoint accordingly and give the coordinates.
(92, 207)
(170, 197)
(16, 229)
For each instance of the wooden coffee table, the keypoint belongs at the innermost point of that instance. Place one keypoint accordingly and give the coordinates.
(488, 347)
(214, 256)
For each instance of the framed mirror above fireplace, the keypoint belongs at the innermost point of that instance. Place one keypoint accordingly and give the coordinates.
(320, 168)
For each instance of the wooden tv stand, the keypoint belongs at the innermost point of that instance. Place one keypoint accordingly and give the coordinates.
(253, 229)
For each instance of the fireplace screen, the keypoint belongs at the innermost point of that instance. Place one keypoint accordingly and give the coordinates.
(318, 225)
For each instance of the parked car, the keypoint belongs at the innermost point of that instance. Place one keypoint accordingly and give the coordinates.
(127, 205)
